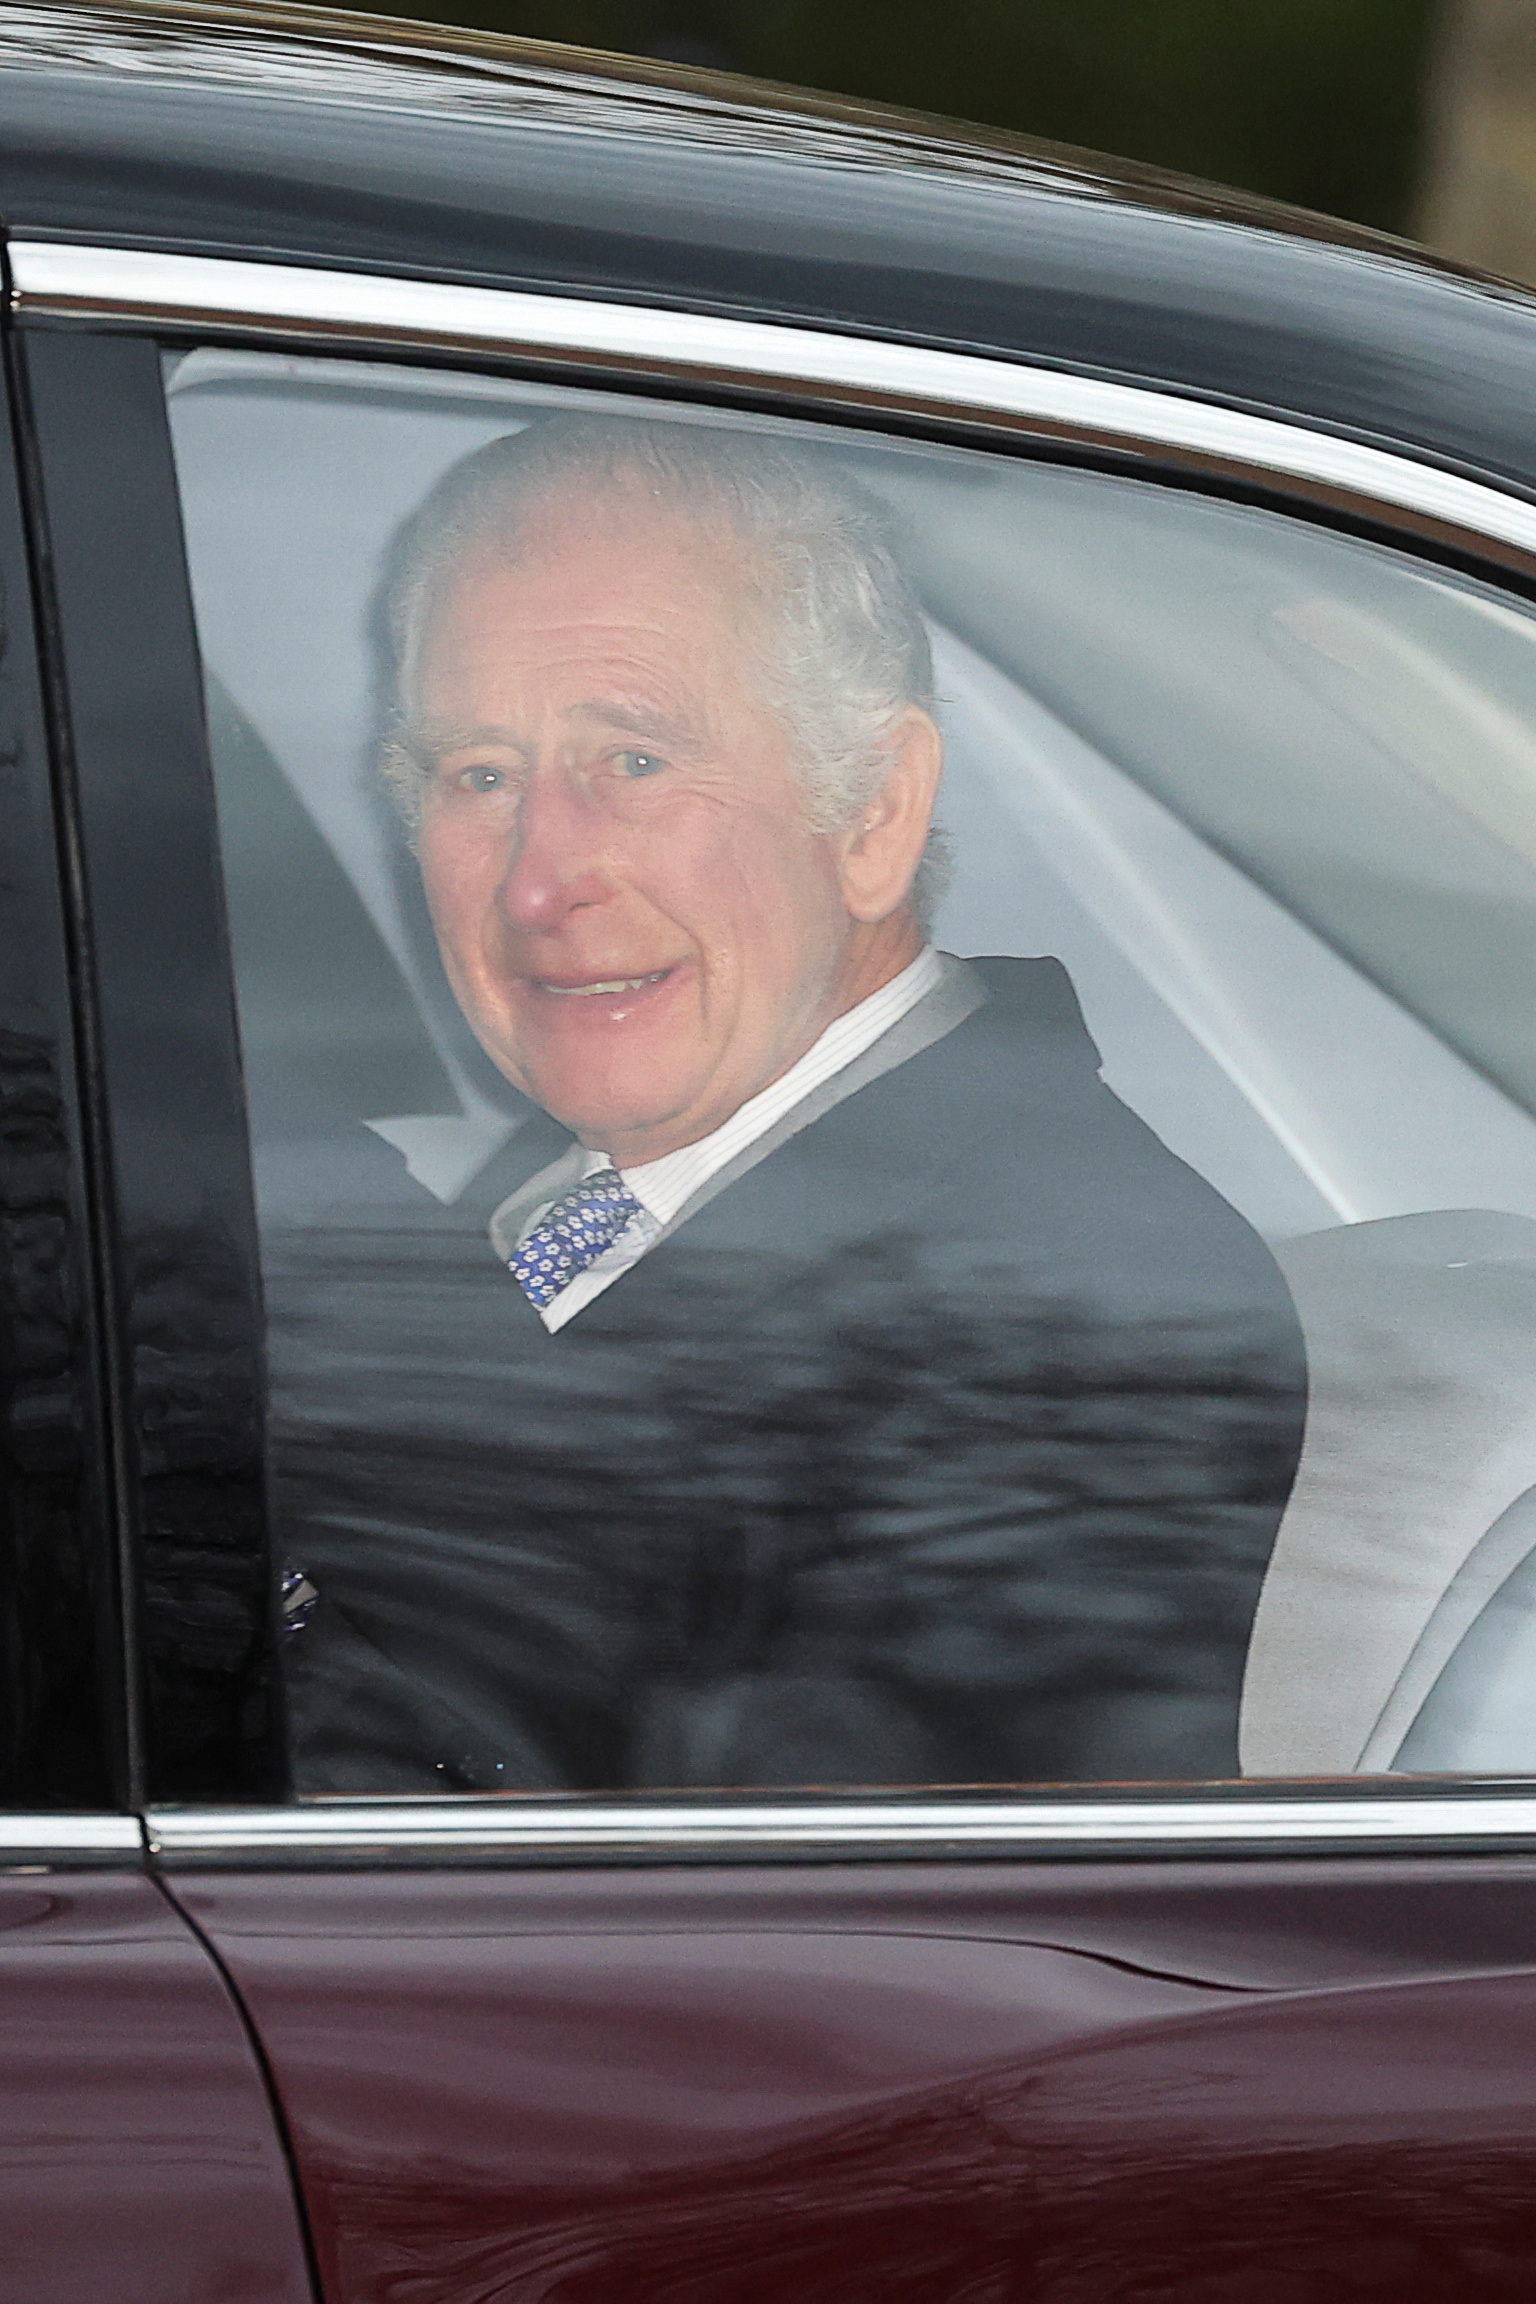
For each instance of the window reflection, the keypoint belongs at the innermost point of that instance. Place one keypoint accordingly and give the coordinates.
(721, 1336)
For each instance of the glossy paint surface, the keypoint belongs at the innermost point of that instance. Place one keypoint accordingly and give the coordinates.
(60, 1683)
(506, 162)
(139, 2161)
(974, 2085)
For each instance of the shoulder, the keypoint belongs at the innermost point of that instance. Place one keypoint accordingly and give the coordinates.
(1016, 1080)
(1034, 1000)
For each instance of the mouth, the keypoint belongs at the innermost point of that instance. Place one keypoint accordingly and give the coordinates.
(601, 987)
(601, 1003)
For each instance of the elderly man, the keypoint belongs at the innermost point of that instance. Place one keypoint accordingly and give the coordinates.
(865, 1395)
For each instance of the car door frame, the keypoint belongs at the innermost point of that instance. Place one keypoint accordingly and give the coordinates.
(141, 2144)
(92, 321)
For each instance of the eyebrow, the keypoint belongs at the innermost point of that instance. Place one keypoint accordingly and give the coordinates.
(634, 720)
(431, 739)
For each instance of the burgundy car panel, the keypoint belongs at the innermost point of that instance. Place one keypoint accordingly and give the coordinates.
(139, 2158)
(1254, 2081)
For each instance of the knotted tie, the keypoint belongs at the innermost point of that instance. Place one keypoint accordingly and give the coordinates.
(575, 1232)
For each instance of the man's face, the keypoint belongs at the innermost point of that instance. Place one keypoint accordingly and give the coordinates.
(636, 917)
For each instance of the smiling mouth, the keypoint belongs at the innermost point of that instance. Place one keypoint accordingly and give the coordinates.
(604, 985)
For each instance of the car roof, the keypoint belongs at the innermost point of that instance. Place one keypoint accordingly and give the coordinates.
(328, 138)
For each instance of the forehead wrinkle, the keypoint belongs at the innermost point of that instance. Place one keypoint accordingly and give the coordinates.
(620, 508)
(736, 566)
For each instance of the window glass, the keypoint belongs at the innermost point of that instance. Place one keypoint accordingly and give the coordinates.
(891, 1098)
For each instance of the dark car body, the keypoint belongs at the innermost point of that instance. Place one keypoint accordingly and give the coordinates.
(1269, 2043)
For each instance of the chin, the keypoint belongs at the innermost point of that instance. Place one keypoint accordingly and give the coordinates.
(609, 1095)
(602, 1121)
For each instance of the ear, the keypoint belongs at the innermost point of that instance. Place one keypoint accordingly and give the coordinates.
(879, 853)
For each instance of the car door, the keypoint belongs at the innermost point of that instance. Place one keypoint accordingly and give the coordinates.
(704, 2027)
(139, 2153)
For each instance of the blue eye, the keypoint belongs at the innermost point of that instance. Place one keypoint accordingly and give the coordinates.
(640, 763)
(483, 779)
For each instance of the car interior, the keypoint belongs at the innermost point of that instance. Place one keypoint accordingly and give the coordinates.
(1264, 788)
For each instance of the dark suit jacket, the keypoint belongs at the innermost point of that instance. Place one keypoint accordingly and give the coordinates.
(947, 1445)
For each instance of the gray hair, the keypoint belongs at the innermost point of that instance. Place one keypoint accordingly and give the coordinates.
(846, 647)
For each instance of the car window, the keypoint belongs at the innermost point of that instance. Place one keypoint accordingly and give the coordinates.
(891, 1099)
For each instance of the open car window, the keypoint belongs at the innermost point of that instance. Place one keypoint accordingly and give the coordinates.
(740, 1317)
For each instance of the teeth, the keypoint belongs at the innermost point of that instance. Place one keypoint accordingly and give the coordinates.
(611, 984)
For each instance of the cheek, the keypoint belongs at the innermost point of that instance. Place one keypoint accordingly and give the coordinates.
(458, 883)
(746, 861)
(784, 896)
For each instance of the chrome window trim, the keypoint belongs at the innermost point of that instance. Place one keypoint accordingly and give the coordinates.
(47, 1843)
(497, 1831)
(58, 280)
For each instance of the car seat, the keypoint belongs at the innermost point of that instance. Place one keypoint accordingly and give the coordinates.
(1411, 1512)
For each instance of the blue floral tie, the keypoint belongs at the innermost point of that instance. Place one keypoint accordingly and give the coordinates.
(575, 1232)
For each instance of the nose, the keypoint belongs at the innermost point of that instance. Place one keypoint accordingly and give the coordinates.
(553, 869)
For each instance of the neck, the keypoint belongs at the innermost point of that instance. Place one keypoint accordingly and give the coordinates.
(876, 953)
